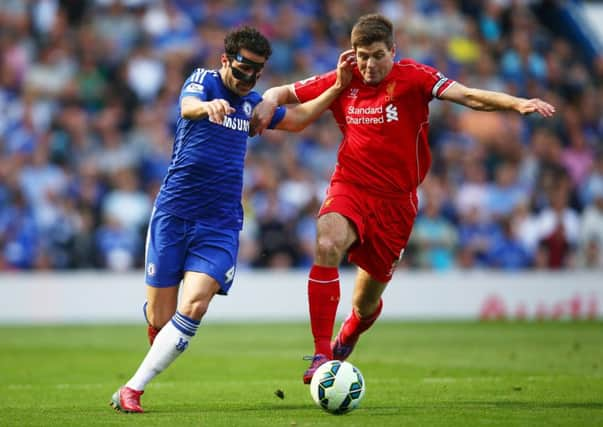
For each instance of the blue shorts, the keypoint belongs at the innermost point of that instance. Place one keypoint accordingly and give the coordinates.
(175, 245)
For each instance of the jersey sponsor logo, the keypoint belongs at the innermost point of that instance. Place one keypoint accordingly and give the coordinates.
(391, 113)
(371, 115)
(229, 276)
(247, 108)
(195, 88)
(364, 115)
(236, 123)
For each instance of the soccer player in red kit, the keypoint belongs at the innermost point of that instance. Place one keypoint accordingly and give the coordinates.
(371, 202)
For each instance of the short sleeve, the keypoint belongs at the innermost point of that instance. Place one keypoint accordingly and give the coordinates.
(432, 81)
(194, 86)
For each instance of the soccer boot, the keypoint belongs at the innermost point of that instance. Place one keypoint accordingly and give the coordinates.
(127, 400)
(317, 360)
(340, 350)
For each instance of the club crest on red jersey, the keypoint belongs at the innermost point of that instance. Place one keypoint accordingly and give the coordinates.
(389, 90)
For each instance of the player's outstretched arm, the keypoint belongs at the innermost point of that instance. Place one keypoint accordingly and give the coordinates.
(299, 116)
(486, 100)
(192, 108)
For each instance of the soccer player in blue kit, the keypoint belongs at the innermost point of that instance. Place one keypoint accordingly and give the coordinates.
(193, 234)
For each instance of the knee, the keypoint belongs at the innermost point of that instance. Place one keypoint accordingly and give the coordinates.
(329, 249)
(195, 309)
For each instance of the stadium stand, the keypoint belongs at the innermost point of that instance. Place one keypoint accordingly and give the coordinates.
(85, 140)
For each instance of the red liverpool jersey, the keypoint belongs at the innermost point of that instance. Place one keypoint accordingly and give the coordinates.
(384, 148)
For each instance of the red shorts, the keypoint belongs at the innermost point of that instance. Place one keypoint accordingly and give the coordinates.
(383, 226)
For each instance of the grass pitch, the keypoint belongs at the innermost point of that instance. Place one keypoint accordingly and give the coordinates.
(417, 374)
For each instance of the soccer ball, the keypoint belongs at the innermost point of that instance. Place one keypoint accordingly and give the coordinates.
(337, 387)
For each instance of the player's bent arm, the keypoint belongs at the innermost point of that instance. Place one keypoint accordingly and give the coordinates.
(486, 100)
(192, 108)
(299, 116)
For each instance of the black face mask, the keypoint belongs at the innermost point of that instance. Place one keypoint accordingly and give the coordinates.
(241, 75)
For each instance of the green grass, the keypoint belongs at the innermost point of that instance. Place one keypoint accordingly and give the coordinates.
(417, 374)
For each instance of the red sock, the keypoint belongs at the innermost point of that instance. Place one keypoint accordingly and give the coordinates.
(323, 298)
(354, 326)
(152, 333)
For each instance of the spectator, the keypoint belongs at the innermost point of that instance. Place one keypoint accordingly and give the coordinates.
(507, 252)
(126, 203)
(593, 183)
(434, 236)
(558, 228)
(591, 233)
(505, 193)
(477, 236)
(472, 195)
(19, 235)
(118, 247)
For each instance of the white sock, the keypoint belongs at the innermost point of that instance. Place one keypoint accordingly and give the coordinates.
(170, 343)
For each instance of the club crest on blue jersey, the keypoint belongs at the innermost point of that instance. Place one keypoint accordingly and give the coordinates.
(247, 108)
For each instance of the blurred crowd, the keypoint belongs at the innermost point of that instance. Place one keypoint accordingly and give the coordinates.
(88, 106)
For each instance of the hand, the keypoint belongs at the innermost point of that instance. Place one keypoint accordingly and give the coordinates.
(217, 109)
(535, 105)
(345, 65)
(261, 117)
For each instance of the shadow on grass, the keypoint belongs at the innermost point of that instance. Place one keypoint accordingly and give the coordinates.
(543, 405)
(376, 411)
(510, 404)
(234, 409)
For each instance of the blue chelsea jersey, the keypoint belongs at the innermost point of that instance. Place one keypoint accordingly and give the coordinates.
(204, 181)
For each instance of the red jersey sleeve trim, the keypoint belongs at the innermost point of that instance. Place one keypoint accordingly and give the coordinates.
(441, 85)
(445, 87)
(433, 82)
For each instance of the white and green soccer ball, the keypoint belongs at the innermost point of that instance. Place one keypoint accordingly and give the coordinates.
(337, 387)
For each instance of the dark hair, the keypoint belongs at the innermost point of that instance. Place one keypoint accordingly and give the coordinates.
(372, 28)
(247, 38)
